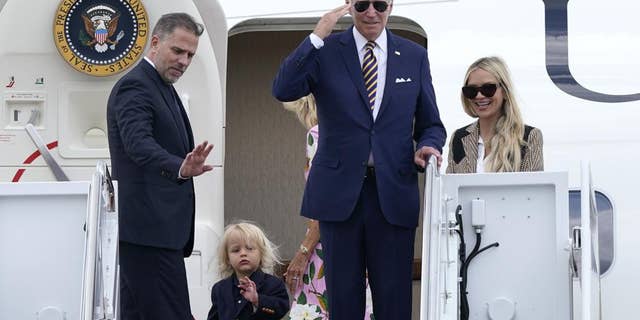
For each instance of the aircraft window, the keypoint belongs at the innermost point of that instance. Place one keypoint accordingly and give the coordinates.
(605, 225)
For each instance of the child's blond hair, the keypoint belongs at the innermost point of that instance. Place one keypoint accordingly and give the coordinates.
(251, 233)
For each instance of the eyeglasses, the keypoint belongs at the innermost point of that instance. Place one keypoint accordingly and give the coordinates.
(487, 90)
(362, 6)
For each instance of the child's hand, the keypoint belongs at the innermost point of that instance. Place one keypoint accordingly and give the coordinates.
(248, 290)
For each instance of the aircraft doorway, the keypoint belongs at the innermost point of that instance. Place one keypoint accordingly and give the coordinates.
(265, 144)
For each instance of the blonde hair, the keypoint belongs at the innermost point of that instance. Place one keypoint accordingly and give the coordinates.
(508, 139)
(251, 233)
(305, 109)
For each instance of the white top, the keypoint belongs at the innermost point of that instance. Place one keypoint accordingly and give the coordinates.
(480, 162)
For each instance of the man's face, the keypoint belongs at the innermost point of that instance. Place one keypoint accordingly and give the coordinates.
(370, 22)
(173, 54)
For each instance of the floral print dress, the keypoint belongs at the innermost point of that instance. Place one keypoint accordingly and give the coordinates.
(310, 299)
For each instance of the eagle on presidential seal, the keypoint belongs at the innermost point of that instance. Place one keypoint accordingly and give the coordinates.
(101, 24)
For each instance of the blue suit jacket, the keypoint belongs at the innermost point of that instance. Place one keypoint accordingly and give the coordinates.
(348, 133)
(148, 140)
(228, 304)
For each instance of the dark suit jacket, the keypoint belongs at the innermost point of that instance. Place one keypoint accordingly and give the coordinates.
(333, 74)
(463, 150)
(149, 138)
(229, 304)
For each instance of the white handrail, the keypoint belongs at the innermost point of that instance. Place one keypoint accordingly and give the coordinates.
(100, 278)
(428, 294)
(88, 281)
(590, 274)
(108, 266)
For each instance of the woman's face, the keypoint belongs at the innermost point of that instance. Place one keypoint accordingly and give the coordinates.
(487, 108)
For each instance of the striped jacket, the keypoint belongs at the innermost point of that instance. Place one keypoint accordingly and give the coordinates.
(463, 150)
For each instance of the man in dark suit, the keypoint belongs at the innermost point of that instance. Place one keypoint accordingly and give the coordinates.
(153, 158)
(374, 93)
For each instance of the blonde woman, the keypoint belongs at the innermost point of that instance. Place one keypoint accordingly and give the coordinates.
(305, 273)
(498, 141)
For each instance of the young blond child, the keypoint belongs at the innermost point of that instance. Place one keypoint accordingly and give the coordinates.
(249, 290)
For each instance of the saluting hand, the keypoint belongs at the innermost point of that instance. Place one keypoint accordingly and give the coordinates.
(193, 164)
(329, 20)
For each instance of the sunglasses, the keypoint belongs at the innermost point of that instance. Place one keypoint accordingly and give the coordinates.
(487, 90)
(362, 6)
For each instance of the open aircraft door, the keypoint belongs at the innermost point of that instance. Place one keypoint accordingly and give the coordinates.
(498, 246)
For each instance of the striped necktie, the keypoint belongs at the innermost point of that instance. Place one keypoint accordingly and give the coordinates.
(370, 73)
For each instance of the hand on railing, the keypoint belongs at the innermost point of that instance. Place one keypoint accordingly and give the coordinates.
(433, 166)
(424, 155)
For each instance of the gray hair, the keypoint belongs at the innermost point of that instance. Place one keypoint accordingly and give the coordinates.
(170, 21)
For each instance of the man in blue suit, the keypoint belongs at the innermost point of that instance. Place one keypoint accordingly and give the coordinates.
(374, 96)
(153, 158)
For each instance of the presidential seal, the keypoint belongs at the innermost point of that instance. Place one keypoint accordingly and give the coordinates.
(100, 37)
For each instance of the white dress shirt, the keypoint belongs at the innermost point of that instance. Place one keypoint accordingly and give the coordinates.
(380, 52)
(480, 162)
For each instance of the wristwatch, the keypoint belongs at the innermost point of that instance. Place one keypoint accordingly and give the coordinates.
(304, 249)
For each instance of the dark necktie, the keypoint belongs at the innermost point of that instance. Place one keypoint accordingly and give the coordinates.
(177, 113)
(370, 73)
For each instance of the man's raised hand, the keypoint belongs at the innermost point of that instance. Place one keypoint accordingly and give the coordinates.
(329, 20)
(193, 164)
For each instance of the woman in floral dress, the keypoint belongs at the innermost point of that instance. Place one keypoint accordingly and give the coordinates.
(305, 273)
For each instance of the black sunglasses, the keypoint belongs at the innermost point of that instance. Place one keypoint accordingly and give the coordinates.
(487, 90)
(362, 6)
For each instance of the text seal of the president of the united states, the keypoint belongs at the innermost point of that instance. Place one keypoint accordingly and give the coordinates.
(100, 37)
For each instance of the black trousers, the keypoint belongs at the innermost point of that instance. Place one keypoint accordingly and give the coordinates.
(153, 284)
